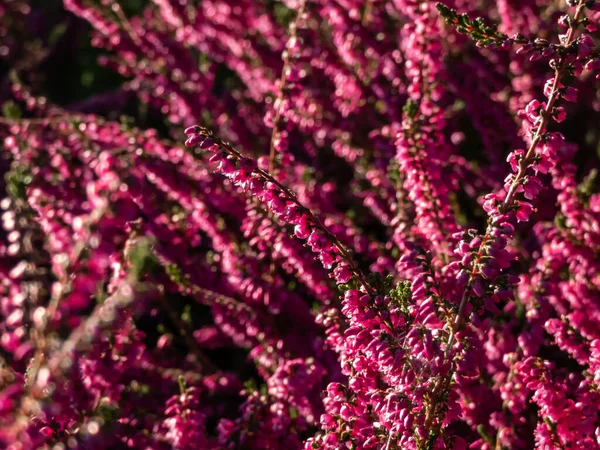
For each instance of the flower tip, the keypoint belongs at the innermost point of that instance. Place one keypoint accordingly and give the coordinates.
(194, 129)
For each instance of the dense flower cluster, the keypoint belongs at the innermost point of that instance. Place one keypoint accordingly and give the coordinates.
(383, 234)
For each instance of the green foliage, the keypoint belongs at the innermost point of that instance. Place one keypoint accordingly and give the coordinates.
(109, 413)
(587, 187)
(174, 273)
(17, 181)
(476, 28)
(101, 293)
(520, 310)
(394, 173)
(283, 15)
(352, 284)
(308, 174)
(402, 294)
(382, 285)
(181, 383)
(486, 437)
(186, 315)
(127, 123)
(142, 258)
(410, 108)
(250, 386)
(11, 110)
(56, 34)
(560, 221)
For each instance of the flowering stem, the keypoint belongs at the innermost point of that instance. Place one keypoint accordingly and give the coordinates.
(344, 253)
(525, 163)
(546, 114)
(282, 82)
(443, 383)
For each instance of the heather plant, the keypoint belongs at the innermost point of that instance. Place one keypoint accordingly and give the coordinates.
(308, 224)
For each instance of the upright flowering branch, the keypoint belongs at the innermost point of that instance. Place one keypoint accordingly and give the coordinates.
(482, 276)
(290, 75)
(421, 146)
(502, 210)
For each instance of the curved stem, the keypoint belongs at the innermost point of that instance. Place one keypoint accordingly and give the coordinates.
(344, 253)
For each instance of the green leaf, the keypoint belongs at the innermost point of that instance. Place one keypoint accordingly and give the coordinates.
(109, 413)
(10, 110)
(486, 437)
(402, 295)
(476, 28)
(250, 386)
(174, 272)
(186, 315)
(283, 14)
(17, 181)
(445, 12)
(142, 258)
(87, 78)
(57, 32)
(181, 383)
(410, 109)
(586, 188)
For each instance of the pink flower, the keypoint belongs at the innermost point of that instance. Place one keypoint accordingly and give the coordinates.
(559, 114)
(524, 210)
